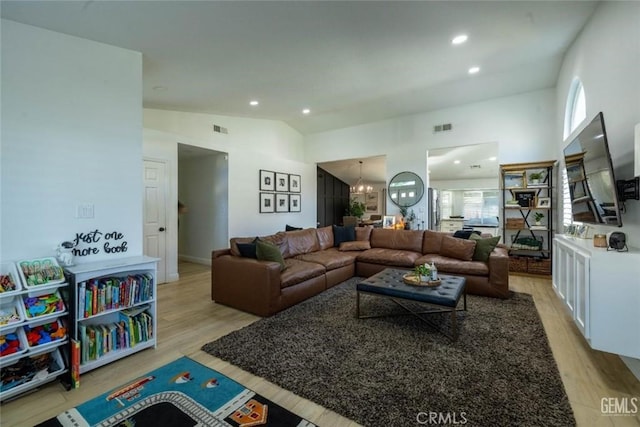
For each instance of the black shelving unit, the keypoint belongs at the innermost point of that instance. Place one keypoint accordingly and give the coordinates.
(526, 197)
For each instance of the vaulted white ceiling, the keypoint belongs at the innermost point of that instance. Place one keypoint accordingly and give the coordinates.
(348, 62)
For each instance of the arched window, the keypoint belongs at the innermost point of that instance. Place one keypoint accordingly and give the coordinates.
(574, 114)
(576, 108)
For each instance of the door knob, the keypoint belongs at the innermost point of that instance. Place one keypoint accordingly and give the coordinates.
(161, 229)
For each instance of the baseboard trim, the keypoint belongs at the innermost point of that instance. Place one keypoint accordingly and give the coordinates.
(633, 365)
(196, 260)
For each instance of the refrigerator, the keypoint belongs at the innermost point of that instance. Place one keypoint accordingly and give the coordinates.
(433, 196)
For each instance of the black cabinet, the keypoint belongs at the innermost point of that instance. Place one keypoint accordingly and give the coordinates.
(333, 198)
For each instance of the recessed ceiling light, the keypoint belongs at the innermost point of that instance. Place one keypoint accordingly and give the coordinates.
(493, 159)
(474, 70)
(254, 103)
(459, 39)
(456, 162)
(306, 111)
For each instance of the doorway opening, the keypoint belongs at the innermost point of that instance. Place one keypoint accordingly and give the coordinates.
(203, 189)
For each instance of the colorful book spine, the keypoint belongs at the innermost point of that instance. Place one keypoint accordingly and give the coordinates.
(75, 363)
(81, 297)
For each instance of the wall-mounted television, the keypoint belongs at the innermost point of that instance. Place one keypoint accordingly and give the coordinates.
(592, 185)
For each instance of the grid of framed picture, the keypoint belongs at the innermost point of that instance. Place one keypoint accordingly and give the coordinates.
(279, 192)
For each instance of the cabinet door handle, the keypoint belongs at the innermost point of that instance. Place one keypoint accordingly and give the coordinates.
(161, 229)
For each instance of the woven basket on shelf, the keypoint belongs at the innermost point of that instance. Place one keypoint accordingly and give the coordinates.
(515, 223)
(518, 264)
(539, 266)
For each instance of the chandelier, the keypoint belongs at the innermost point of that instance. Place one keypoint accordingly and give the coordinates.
(359, 186)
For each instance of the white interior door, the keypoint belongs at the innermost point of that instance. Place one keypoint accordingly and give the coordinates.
(155, 215)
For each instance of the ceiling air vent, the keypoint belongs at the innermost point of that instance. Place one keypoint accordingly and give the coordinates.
(220, 129)
(474, 166)
(442, 128)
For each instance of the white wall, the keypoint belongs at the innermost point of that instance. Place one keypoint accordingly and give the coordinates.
(606, 58)
(71, 133)
(251, 144)
(522, 125)
(203, 188)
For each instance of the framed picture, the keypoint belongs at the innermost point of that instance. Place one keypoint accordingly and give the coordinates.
(525, 198)
(389, 221)
(267, 202)
(282, 202)
(282, 181)
(543, 202)
(371, 202)
(294, 183)
(294, 202)
(514, 179)
(267, 180)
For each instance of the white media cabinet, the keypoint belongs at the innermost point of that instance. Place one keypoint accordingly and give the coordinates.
(601, 290)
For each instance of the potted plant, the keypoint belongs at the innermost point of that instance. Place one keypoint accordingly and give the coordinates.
(537, 217)
(408, 219)
(356, 208)
(423, 272)
(535, 177)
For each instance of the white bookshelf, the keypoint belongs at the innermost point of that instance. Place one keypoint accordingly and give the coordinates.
(108, 315)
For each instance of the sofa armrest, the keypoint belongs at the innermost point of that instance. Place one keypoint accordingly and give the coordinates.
(220, 252)
(245, 283)
(499, 270)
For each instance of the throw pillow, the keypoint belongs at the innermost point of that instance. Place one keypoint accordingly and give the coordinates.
(343, 234)
(356, 245)
(484, 247)
(248, 250)
(266, 251)
(291, 228)
(464, 234)
(453, 247)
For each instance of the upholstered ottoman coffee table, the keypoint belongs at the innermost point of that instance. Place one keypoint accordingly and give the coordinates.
(444, 298)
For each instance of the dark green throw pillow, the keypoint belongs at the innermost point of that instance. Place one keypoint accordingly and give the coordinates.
(484, 247)
(269, 252)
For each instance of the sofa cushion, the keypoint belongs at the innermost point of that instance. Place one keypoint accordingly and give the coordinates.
(363, 233)
(331, 258)
(343, 234)
(267, 251)
(406, 240)
(390, 257)
(432, 241)
(325, 237)
(484, 247)
(356, 245)
(301, 242)
(279, 239)
(461, 249)
(297, 271)
(447, 265)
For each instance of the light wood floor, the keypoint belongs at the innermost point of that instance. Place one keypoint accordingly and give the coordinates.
(187, 319)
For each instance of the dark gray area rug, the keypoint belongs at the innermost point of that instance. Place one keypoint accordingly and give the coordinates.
(396, 371)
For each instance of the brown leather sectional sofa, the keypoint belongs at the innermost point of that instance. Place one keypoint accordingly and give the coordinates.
(313, 265)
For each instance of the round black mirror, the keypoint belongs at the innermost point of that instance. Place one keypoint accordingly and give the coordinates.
(406, 189)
